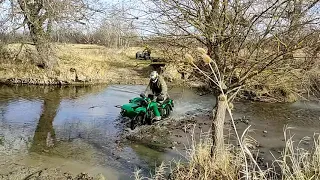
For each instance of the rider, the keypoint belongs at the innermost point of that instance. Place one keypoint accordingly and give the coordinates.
(147, 50)
(158, 87)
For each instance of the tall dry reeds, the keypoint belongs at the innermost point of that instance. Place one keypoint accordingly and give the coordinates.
(295, 163)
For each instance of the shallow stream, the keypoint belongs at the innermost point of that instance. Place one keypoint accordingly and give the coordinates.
(78, 128)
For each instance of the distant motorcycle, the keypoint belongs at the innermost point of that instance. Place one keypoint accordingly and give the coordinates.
(140, 112)
(143, 55)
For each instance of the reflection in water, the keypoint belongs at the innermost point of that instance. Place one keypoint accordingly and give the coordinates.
(151, 156)
(73, 123)
(279, 114)
(44, 136)
(27, 115)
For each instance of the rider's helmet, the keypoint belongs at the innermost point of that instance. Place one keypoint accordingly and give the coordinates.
(154, 76)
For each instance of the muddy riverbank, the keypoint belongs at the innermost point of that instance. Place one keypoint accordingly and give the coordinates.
(20, 168)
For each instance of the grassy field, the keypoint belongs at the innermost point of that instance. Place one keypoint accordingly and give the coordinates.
(77, 63)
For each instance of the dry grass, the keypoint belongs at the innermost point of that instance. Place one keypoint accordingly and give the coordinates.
(201, 165)
(277, 86)
(92, 63)
(296, 163)
(313, 80)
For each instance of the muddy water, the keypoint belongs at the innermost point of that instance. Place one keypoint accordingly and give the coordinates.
(300, 120)
(78, 128)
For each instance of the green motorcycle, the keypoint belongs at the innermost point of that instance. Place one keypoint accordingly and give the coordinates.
(141, 110)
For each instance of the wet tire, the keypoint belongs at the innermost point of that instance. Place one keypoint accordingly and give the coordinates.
(166, 111)
(149, 121)
(146, 57)
(137, 121)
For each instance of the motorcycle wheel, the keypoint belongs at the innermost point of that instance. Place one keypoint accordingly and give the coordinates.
(137, 121)
(166, 111)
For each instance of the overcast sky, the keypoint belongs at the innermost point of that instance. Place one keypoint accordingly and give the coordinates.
(134, 10)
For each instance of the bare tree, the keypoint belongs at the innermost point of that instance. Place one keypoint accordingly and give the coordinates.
(115, 32)
(117, 29)
(41, 15)
(243, 40)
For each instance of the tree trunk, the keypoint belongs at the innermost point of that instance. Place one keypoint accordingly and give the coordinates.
(218, 125)
(43, 46)
(46, 54)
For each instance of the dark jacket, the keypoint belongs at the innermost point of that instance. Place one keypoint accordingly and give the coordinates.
(158, 88)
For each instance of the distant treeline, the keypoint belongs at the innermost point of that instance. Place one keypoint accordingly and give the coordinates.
(101, 36)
